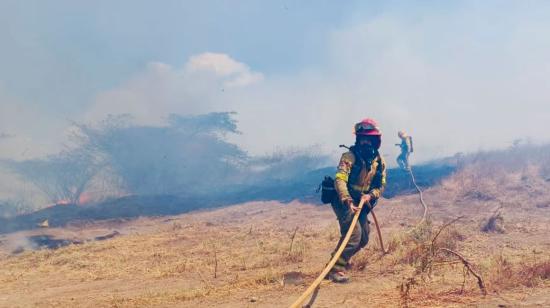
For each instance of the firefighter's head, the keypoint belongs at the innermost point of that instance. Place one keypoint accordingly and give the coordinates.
(367, 134)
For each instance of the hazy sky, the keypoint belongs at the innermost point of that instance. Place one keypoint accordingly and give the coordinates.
(459, 75)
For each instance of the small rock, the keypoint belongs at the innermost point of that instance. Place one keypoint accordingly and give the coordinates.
(44, 224)
(293, 278)
(18, 250)
(253, 299)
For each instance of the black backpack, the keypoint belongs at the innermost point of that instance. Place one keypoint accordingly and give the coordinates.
(328, 192)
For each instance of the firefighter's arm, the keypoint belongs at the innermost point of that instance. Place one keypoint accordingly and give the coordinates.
(342, 176)
(379, 180)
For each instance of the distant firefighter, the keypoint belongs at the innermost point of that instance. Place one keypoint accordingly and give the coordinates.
(406, 150)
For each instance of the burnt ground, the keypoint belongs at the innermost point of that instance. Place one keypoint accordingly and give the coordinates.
(301, 188)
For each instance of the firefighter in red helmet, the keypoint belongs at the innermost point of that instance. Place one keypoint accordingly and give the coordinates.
(361, 174)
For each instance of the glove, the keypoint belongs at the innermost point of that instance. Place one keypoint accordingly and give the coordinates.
(348, 202)
(366, 197)
(351, 205)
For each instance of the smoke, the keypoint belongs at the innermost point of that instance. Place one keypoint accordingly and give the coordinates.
(186, 156)
(22, 128)
(160, 90)
(63, 177)
(453, 76)
(6, 136)
(17, 243)
(457, 77)
(287, 164)
(234, 74)
(441, 80)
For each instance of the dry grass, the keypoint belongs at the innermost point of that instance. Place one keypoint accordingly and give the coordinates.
(526, 271)
(212, 257)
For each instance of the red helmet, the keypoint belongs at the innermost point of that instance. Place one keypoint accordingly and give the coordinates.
(367, 127)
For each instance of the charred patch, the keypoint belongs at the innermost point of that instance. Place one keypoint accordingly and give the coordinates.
(44, 241)
(49, 242)
(37, 242)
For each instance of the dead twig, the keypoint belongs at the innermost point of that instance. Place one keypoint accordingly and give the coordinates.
(442, 228)
(215, 263)
(464, 274)
(468, 265)
(445, 263)
(405, 289)
(292, 241)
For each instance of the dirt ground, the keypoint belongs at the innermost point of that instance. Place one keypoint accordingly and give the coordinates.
(265, 254)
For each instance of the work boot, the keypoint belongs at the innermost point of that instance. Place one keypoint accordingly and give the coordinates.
(337, 276)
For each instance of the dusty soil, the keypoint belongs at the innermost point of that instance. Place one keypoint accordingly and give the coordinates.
(241, 256)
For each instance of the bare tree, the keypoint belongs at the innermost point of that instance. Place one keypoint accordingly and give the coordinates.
(187, 155)
(62, 177)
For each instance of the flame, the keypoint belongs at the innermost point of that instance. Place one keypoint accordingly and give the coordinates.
(84, 198)
(87, 197)
(63, 202)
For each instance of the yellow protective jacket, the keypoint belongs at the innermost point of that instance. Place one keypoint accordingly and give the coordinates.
(355, 177)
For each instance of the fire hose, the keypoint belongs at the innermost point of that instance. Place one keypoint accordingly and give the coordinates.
(421, 199)
(315, 285)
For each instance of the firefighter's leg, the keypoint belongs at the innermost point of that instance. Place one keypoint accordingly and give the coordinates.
(345, 216)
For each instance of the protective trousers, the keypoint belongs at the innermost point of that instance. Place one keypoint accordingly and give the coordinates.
(359, 238)
(403, 160)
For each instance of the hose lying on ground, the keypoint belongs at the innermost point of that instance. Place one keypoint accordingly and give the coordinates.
(421, 199)
(384, 251)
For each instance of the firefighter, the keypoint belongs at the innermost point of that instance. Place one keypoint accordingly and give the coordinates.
(361, 174)
(406, 149)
